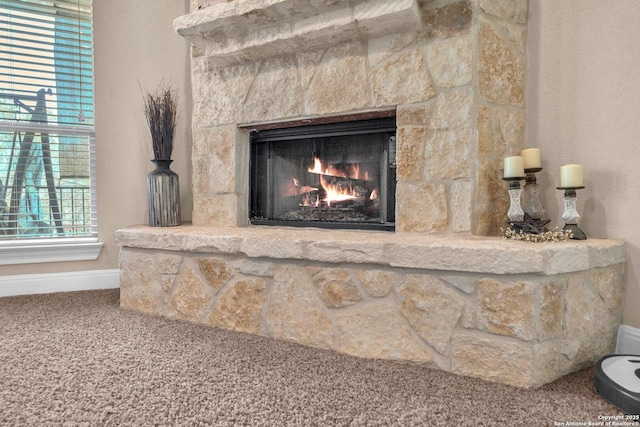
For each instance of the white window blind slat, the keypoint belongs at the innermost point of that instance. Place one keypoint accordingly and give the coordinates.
(47, 138)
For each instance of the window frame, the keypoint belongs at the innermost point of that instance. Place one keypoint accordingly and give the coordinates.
(42, 249)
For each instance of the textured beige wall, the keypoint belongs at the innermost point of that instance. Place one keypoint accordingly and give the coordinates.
(135, 46)
(583, 106)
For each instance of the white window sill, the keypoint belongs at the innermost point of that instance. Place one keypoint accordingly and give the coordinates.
(49, 250)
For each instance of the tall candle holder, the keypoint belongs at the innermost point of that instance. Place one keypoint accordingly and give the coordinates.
(515, 213)
(570, 214)
(532, 206)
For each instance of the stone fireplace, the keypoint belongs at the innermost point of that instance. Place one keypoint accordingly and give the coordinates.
(438, 290)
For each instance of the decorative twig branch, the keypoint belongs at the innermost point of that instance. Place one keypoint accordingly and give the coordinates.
(160, 109)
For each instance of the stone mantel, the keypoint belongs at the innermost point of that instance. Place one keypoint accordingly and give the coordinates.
(475, 254)
(246, 30)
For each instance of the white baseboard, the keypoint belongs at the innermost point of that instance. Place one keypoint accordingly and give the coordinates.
(27, 284)
(628, 340)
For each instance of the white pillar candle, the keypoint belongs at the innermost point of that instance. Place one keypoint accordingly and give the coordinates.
(531, 158)
(514, 167)
(571, 176)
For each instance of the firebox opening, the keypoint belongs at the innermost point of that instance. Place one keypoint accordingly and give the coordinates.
(337, 175)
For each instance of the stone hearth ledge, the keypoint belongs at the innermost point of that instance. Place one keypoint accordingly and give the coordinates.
(467, 253)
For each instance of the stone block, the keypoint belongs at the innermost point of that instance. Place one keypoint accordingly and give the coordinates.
(219, 210)
(140, 286)
(446, 21)
(272, 247)
(551, 308)
(512, 10)
(568, 260)
(340, 83)
(191, 297)
(167, 263)
(449, 153)
(222, 161)
(469, 314)
(294, 313)
(378, 283)
(461, 206)
(254, 268)
(216, 244)
(590, 327)
(344, 251)
(380, 17)
(239, 79)
(431, 308)
(335, 286)
(508, 131)
(382, 48)
(200, 176)
(307, 65)
(451, 62)
(402, 79)
(215, 271)
(414, 114)
(506, 362)
(506, 308)
(492, 199)
(376, 330)
(501, 66)
(484, 127)
(275, 92)
(452, 110)
(316, 29)
(213, 105)
(463, 283)
(424, 208)
(410, 153)
(607, 252)
(610, 285)
(545, 364)
(240, 306)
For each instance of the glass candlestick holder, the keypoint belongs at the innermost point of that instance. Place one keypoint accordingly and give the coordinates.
(570, 215)
(515, 213)
(532, 207)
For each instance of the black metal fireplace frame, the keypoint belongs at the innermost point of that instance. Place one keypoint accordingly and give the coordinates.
(359, 127)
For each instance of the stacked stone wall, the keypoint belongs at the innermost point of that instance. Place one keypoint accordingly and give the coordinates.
(457, 85)
(524, 330)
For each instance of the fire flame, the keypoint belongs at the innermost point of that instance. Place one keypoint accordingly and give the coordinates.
(335, 192)
(353, 171)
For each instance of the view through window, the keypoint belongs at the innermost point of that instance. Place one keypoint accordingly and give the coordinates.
(47, 161)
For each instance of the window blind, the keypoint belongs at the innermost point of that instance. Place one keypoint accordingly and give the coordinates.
(47, 136)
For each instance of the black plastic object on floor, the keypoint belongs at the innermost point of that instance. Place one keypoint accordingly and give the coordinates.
(617, 379)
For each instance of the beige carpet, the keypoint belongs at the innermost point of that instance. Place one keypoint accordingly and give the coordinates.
(77, 359)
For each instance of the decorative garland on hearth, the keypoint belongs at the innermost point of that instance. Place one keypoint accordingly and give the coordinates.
(555, 235)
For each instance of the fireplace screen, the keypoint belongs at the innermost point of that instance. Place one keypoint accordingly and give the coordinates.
(339, 175)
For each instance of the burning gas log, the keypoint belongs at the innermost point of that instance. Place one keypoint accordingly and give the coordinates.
(293, 188)
(341, 186)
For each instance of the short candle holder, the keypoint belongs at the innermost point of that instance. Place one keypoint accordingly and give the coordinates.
(532, 206)
(570, 214)
(515, 213)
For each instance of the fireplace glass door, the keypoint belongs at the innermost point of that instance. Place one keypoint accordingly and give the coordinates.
(338, 175)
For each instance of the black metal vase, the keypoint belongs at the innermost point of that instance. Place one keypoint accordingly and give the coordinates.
(163, 191)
